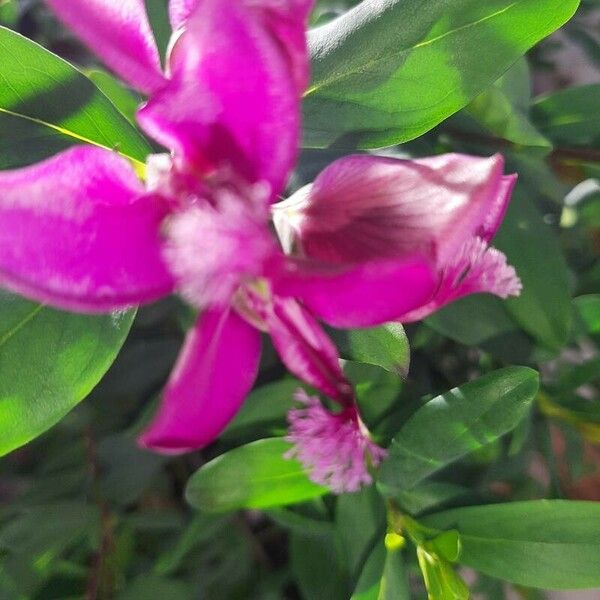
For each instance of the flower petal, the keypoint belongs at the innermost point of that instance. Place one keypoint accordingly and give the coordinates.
(118, 31)
(476, 269)
(304, 347)
(371, 207)
(78, 232)
(497, 209)
(364, 295)
(180, 11)
(232, 101)
(215, 371)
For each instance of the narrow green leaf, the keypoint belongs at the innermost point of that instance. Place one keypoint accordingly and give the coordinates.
(550, 544)
(458, 422)
(430, 494)
(387, 72)
(441, 581)
(264, 410)
(383, 576)
(385, 346)
(124, 99)
(317, 569)
(544, 307)
(253, 476)
(360, 520)
(503, 109)
(48, 93)
(473, 320)
(588, 311)
(49, 362)
(570, 116)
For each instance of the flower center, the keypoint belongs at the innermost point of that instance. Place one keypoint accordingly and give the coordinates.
(217, 237)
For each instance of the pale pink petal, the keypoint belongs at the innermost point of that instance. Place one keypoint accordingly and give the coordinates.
(215, 371)
(497, 210)
(232, 102)
(79, 233)
(335, 449)
(476, 268)
(363, 295)
(180, 11)
(303, 346)
(366, 207)
(118, 31)
(211, 251)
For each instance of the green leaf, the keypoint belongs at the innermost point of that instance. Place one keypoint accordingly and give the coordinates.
(316, 568)
(124, 99)
(430, 494)
(544, 307)
(473, 320)
(441, 581)
(360, 521)
(56, 105)
(483, 320)
(588, 311)
(570, 116)
(503, 109)
(383, 577)
(151, 586)
(456, 423)
(385, 346)
(264, 410)
(387, 72)
(253, 476)
(49, 362)
(541, 543)
(9, 12)
(377, 390)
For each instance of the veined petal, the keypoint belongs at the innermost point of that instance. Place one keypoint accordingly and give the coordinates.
(366, 207)
(79, 233)
(476, 268)
(497, 209)
(215, 371)
(118, 31)
(363, 295)
(232, 101)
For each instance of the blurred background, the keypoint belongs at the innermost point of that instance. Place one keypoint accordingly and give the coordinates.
(84, 513)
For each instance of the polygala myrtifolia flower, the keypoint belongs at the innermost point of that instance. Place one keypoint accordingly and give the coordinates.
(366, 208)
(81, 231)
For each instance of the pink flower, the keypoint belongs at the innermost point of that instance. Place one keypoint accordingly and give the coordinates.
(334, 448)
(365, 208)
(80, 231)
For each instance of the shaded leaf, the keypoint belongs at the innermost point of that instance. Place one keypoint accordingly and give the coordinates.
(456, 423)
(541, 543)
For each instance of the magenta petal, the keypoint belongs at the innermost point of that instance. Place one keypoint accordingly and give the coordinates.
(497, 208)
(215, 371)
(476, 269)
(118, 31)
(364, 295)
(371, 207)
(77, 232)
(232, 101)
(305, 349)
